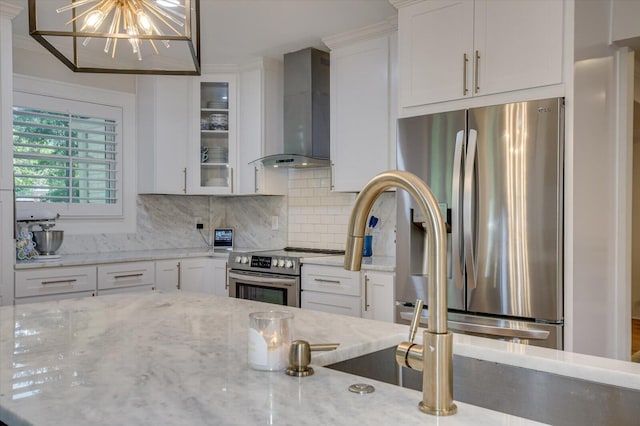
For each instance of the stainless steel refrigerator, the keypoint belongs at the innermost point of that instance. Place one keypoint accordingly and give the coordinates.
(497, 173)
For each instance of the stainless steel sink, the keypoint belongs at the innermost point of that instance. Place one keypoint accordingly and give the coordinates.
(535, 395)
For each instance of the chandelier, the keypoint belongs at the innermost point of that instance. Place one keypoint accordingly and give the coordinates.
(120, 36)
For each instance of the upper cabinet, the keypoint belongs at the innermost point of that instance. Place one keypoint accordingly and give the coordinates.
(212, 152)
(453, 49)
(260, 128)
(363, 106)
(163, 131)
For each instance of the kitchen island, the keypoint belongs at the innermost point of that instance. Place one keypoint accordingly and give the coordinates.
(181, 358)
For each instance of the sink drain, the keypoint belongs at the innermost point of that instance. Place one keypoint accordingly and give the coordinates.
(361, 388)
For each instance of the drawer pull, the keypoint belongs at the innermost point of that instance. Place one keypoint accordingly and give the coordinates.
(72, 280)
(322, 280)
(117, 277)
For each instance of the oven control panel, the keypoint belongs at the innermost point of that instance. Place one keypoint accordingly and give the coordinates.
(276, 264)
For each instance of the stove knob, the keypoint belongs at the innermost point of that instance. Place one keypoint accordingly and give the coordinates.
(244, 259)
(289, 264)
(280, 263)
(238, 259)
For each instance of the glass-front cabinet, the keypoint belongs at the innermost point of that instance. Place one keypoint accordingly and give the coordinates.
(215, 96)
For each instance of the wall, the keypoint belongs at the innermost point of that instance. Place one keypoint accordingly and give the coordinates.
(167, 221)
(32, 59)
(594, 213)
(311, 216)
(318, 217)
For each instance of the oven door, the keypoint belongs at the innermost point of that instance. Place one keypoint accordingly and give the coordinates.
(261, 287)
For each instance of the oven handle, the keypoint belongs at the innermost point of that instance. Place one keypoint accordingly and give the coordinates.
(262, 280)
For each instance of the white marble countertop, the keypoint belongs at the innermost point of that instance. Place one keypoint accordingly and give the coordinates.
(121, 256)
(379, 263)
(373, 263)
(180, 358)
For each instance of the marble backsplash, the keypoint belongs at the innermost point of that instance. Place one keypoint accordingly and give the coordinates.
(167, 221)
(309, 216)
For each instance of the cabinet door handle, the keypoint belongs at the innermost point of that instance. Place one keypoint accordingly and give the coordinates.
(179, 274)
(184, 183)
(255, 180)
(226, 277)
(117, 277)
(476, 72)
(332, 172)
(366, 293)
(72, 280)
(464, 74)
(231, 176)
(322, 280)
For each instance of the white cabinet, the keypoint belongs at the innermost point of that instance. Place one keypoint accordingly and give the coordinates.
(330, 289)
(378, 301)
(363, 110)
(197, 275)
(220, 277)
(163, 131)
(118, 277)
(452, 49)
(260, 128)
(205, 274)
(212, 155)
(167, 274)
(40, 284)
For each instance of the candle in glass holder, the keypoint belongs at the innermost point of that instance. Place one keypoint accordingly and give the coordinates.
(270, 335)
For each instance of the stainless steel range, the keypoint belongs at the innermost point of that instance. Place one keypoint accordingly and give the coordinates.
(271, 276)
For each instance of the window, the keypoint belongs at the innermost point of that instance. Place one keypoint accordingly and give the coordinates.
(67, 154)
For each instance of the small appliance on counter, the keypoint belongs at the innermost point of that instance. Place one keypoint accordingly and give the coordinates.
(35, 238)
(223, 239)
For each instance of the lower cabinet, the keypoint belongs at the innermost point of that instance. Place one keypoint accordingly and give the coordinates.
(220, 277)
(367, 294)
(205, 274)
(126, 277)
(167, 274)
(330, 289)
(378, 301)
(44, 284)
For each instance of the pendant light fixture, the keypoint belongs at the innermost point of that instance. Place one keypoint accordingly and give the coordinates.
(120, 36)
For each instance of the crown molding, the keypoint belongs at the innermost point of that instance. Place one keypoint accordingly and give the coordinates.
(9, 10)
(385, 27)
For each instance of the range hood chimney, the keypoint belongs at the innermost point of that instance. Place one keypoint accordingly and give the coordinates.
(306, 111)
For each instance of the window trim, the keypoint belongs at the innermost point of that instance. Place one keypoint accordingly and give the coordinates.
(73, 223)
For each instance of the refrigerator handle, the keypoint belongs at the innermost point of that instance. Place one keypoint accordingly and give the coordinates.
(468, 210)
(456, 227)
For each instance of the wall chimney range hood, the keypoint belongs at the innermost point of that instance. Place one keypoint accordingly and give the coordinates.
(306, 111)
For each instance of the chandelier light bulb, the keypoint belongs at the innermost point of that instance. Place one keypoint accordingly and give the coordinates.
(93, 20)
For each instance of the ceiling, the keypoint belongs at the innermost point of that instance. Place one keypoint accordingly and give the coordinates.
(240, 31)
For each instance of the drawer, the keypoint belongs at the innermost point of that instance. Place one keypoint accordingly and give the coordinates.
(331, 303)
(52, 297)
(134, 289)
(130, 274)
(330, 280)
(47, 281)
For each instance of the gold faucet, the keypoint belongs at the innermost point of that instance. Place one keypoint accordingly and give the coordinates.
(435, 357)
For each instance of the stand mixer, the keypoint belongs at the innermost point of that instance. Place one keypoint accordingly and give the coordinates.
(43, 239)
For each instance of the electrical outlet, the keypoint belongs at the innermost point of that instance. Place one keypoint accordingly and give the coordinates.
(274, 223)
(198, 222)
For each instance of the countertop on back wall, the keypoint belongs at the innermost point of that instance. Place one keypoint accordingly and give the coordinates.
(381, 263)
(373, 263)
(121, 256)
